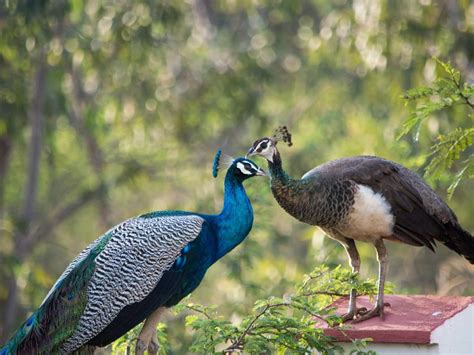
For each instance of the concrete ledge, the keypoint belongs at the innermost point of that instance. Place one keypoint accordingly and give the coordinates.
(411, 320)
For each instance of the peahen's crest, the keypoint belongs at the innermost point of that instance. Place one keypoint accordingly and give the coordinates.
(220, 160)
(282, 134)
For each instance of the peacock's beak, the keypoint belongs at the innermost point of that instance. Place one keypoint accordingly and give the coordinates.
(250, 152)
(261, 172)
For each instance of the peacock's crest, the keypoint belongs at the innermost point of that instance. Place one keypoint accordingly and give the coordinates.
(220, 160)
(215, 164)
(282, 134)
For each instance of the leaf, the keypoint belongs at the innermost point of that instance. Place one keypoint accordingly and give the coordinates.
(413, 123)
(448, 149)
(448, 68)
(191, 319)
(459, 176)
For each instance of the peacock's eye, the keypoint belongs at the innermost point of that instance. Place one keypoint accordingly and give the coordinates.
(248, 166)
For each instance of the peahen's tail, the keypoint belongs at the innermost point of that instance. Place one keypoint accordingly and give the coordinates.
(461, 241)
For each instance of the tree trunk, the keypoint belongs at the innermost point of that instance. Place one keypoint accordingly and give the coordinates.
(95, 154)
(5, 150)
(36, 118)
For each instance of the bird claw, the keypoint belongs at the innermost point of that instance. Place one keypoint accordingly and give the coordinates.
(153, 347)
(351, 314)
(140, 347)
(376, 311)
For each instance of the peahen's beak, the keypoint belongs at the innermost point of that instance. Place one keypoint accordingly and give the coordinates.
(250, 152)
(261, 172)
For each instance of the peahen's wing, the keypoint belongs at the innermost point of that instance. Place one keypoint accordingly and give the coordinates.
(130, 265)
(420, 214)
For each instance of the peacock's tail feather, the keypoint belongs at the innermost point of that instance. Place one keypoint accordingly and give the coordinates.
(56, 319)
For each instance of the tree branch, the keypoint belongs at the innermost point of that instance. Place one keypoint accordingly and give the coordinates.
(95, 155)
(324, 293)
(240, 341)
(458, 84)
(197, 310)
(59, 216)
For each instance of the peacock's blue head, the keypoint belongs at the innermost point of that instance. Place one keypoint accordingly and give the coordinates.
(242, 168)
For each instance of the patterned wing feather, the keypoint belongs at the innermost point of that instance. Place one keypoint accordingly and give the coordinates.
(73, 265)
(131, 264)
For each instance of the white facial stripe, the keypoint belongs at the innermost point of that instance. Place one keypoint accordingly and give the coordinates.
(243, 170)
(267, 145)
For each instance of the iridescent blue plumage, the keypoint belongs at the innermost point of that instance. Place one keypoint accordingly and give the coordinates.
(149, 262)
(215, 164)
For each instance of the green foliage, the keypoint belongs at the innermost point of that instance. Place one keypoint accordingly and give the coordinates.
(447, 150)
(126, 343)
(278, 325)
(445, 92)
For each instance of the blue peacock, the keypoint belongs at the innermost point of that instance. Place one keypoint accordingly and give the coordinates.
(135, 271)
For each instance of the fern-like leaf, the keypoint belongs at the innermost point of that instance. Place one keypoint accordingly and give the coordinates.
(444, 93)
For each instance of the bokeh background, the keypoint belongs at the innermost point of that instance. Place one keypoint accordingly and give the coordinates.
(113, 108)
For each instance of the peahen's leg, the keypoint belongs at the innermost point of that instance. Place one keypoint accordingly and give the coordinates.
(354, 261)
(382, 258)
(147, 338)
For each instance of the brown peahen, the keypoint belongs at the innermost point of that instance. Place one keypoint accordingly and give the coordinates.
(367, 199)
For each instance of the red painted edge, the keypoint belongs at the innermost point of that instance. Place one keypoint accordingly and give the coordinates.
(408, 320)
(381, 336)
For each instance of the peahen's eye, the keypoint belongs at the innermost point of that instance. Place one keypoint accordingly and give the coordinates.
(263, 145)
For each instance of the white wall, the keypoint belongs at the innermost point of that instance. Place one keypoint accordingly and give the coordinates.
(454, 337)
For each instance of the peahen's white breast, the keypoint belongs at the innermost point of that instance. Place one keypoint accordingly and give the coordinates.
(370, 217)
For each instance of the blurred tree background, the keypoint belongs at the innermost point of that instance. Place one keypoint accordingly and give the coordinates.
(114, 108)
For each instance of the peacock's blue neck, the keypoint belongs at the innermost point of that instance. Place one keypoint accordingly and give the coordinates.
(236, 218)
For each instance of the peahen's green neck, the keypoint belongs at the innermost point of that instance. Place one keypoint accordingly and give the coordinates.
(291, 194)
(236, 218)
(278, 176)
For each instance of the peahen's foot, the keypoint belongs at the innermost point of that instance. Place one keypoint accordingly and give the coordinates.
(376, 311)
(353, 313)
